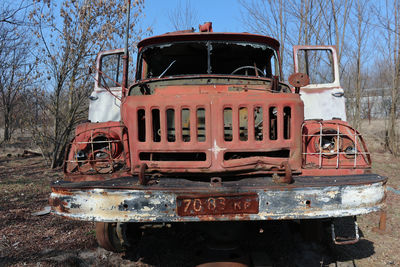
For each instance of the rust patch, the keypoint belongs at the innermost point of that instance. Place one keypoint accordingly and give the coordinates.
(299, 79)
(61, 191)
(58, 204)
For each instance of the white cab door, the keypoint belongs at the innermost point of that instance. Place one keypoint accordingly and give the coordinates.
(104, 102)
(324, 97)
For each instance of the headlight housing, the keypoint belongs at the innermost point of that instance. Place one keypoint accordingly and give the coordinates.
(98, 148)
(333, 144)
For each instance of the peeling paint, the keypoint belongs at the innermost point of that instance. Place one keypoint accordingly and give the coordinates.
(362, 194)
(297, 203)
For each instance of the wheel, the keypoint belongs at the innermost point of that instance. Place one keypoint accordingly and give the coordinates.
(254, 68)
(117, 237)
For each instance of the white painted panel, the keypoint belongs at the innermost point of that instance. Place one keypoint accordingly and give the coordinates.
(103, 106)
(324, 105)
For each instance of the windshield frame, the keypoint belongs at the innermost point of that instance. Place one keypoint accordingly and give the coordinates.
(208, 46)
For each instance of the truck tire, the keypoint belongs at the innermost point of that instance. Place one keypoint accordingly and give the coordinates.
(117, 237)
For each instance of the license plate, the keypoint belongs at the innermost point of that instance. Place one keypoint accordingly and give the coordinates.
(217, 204)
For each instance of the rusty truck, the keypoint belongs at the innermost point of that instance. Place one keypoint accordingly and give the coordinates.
(208, 131)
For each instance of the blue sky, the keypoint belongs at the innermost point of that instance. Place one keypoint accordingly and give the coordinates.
(224, 14)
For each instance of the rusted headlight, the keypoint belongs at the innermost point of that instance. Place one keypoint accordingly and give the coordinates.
(327, 143)
(333, 144)
(81, 155)
(103, 149)
(97, 152)
(103, 146)
(349, 148)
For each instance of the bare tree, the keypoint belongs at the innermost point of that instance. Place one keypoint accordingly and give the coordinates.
(321, 22)
(268, 17)
(184, 16)
(337, 12)
(307, 22)
(10, 13)
(360, 28)
(389, 22)
(15, 69)
(68, 49)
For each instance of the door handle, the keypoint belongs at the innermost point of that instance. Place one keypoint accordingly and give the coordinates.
(338, 94)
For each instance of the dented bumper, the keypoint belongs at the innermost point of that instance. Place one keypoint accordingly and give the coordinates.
(182, 200)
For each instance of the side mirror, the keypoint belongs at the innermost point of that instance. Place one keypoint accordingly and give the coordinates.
(298, 80)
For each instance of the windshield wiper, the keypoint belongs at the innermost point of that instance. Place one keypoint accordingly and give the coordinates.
(172, 63)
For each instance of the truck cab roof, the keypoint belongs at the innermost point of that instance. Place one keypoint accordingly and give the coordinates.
(181, 36)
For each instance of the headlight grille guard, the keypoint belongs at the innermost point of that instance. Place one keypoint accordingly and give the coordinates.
(97, 149)
(324, 145)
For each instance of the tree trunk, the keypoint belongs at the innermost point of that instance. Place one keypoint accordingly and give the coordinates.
(7, 126)
(393, 142)
(392, 136)
(6, 137)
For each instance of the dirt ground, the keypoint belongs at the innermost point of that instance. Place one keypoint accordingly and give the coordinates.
(28, 240)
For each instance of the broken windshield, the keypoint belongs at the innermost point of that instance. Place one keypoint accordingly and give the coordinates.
(210, 57)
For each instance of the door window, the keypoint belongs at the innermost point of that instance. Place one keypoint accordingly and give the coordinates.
(111, 71)
(317, 64)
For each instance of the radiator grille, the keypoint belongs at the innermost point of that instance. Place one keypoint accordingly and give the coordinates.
(196, 132)
(237, 122)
